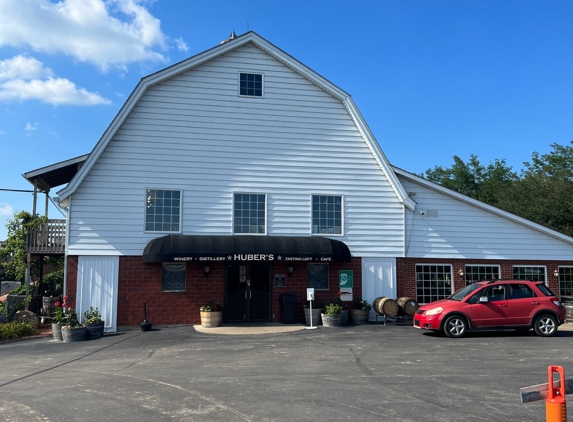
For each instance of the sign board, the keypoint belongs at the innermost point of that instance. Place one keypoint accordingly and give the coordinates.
(310, 293)
(346, 278)
(346, 294)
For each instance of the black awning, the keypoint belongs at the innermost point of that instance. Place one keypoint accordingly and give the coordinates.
(182, 248)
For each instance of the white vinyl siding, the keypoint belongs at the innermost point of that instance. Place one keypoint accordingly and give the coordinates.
(194, 133)
(450, 228)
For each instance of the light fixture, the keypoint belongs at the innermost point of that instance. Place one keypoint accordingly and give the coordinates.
(206, 270)
(461, 273)
(556, 273)
(290, 270)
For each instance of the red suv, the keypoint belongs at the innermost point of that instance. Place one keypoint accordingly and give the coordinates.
(491, 305)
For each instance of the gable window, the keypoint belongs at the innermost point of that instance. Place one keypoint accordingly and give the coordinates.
(481, 272)
(163, 210)
(326, 214)
(249, 213)
(433, 282)
(173, 277)
(529, 273)
(251, 85)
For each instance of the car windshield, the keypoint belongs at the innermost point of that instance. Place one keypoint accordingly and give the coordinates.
(466, 291)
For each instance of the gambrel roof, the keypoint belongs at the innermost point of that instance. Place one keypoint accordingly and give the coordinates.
(278, 54)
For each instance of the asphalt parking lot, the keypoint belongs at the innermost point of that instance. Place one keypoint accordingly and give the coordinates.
(367, 373)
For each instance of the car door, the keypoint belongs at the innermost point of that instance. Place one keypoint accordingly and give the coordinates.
(521, 303)
(492, 312)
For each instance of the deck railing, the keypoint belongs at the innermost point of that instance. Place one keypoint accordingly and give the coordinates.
(48, 239)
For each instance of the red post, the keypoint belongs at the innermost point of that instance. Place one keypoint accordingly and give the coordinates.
(555, 405)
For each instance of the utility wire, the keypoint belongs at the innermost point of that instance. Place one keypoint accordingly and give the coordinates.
(17, 190)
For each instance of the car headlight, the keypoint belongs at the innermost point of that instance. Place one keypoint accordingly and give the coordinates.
(435, 311)
(557, 302)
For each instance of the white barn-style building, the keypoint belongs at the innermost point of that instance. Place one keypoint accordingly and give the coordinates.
(240, 174)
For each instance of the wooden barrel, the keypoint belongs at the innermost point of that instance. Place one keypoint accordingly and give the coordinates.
(48, 306)
(408, 305)
(385, 306)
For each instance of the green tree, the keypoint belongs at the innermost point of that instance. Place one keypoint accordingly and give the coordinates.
(474, 179)
(13, 255)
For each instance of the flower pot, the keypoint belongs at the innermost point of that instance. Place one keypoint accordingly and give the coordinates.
(359, 316)
(94, 330)
(57, 331)
(71, 335)
(331, 320)
(211, 319)
(315, 316)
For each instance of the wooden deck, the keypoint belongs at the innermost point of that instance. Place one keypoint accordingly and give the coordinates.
(48, 240)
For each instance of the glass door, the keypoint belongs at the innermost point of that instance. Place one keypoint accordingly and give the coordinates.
(248, 295)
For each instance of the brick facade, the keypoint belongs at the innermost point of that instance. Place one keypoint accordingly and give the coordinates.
(406, 271)
(140, 282)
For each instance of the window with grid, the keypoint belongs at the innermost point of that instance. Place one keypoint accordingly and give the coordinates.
(433, 282)
(173, 277)
(249, 213)
(251, 84)
(481, 272)
(163, 210)
(566, 281)
(326, 214)
(529, 273)
(318, 276)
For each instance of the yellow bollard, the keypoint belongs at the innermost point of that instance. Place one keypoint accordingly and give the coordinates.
(555, 405)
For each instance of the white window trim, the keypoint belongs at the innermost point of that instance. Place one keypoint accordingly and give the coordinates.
(233, 214)
(342, 207)
(180, 209)
(482, 265)
(252, 72)
(452, 271)
(531, 266)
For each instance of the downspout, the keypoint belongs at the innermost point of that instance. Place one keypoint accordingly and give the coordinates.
(67, 243)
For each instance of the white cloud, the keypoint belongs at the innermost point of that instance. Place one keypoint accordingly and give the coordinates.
(85, 30)
(6, 209)
(25, 78)
(181, 44)
(31, 128)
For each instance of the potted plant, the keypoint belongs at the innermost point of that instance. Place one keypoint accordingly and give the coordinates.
(211, 315)
(58, 318)
(316, 311)
(360, 311)
(72, 330)
(332, 315)
(93, 323)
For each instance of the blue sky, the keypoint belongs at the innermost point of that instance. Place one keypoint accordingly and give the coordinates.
(433, 79)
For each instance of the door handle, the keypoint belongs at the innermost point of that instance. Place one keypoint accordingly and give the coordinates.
(245, 294)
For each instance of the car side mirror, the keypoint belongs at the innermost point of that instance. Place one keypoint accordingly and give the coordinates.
(484, 299)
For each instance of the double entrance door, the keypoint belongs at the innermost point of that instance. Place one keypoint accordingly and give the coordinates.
(248, 293)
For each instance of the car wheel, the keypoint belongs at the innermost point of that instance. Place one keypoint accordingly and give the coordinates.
(545, 325)
(455, 326)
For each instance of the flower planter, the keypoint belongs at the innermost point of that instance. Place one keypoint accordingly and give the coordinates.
(331, 320)
(211, 319)
(359, 316)
(71, 335)
(57, 331)
(94, 330)
(315, 316)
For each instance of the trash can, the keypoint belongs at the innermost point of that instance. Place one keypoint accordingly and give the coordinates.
(288, 308)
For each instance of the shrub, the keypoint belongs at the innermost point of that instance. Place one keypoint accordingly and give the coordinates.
(15, 330)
